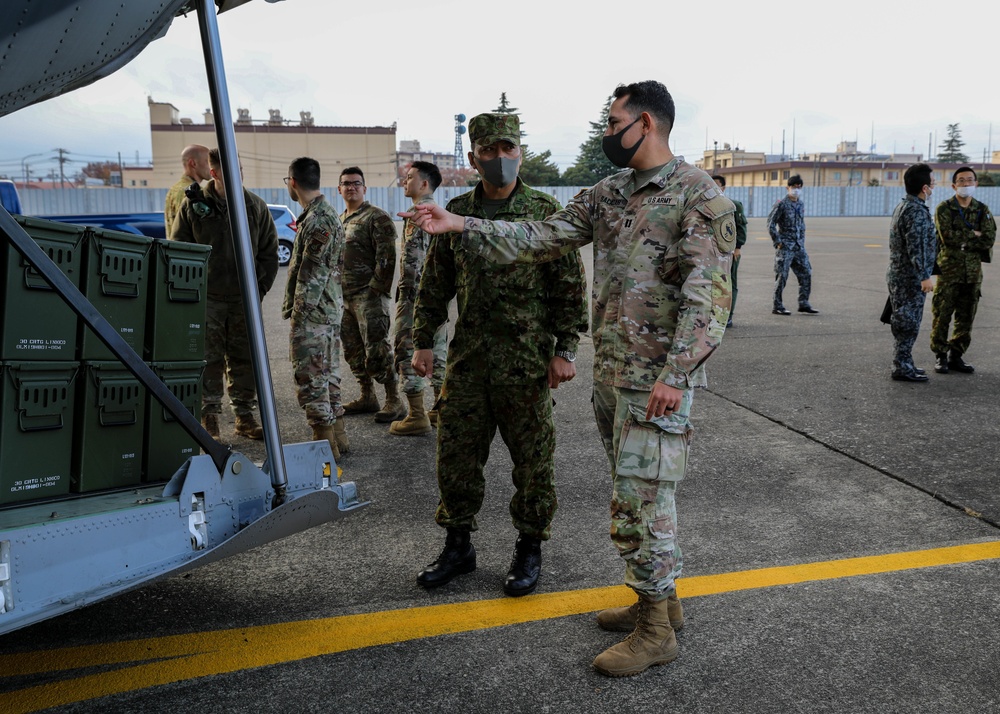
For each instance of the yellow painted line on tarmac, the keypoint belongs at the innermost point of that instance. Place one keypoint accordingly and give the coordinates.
(150, 662)
(873, 245)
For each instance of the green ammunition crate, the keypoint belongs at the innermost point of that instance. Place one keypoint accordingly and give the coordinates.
(175, 327)
(36, 429)
(167, 446)
(110, 413)
(115, 274)
(35, 322)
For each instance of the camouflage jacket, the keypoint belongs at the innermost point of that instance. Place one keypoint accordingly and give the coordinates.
(741, 224)
(208, 224)
(912, 242)
(172, 204)
(662, 256)
(369, 251)
(312, 293)
(787, 224)
(511, 318)
(960, 252)
(411, 262)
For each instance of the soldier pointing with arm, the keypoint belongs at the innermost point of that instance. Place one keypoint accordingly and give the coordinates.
(663, 238)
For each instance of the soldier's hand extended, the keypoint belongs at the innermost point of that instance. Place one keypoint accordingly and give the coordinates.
(423, 362)
(664, 399)
(434, 219)
(560, 371)
(927, 286)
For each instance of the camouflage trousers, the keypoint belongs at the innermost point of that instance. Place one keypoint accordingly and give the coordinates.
(736, 290)
(314, 349)
(907, 313)
(960, 300)
(227, 357)
(796, 259)
(365, 334)
(470, 413)
(647, 459)
(403, 353)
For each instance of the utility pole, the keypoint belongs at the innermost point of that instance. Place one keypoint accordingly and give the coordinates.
(62, 161)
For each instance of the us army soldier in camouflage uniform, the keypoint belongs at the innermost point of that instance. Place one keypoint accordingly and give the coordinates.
(741, 240)
(966, 232)
(787, 225)
(314, 304)
(912, 249)
(194, 159)
(204, 218)
(369, 263)
(663, 238)
(515, 338)
(422, 179)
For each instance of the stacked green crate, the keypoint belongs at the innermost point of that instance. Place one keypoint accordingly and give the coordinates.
(116, 267)
(35, 322)
(167, 445)
(36, 429)
(110, 419)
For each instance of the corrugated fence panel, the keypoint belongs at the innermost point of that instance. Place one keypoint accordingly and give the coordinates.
(757, 200)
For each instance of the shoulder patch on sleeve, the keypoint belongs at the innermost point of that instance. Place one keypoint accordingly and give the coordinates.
(722, 214)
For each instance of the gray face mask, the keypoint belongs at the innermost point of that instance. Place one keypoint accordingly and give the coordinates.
(500, 171)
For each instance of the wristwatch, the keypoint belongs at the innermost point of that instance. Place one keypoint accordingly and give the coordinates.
(567, 355)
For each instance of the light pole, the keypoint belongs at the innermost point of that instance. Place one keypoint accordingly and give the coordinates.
(24, 167)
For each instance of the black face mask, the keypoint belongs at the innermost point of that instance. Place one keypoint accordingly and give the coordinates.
(616, 153)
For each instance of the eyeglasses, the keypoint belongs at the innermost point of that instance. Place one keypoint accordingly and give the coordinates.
(354, 184)
(287, 179)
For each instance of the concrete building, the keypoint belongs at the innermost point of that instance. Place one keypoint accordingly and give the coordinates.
(267, 147)
(844, 167)
(409, 151)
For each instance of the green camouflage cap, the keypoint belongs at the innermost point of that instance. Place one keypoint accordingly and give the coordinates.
(486, 129)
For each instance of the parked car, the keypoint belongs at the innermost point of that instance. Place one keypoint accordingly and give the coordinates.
(284, 219)
(151, 224)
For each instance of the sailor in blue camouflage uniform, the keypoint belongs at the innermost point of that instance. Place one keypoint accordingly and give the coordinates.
(912, 249)
(787, 225)
(515, 339)
(663, 237)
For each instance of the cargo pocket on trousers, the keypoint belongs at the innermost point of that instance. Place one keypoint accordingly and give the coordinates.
(647, 452)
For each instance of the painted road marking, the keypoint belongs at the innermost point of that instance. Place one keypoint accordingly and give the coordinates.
(162, 660)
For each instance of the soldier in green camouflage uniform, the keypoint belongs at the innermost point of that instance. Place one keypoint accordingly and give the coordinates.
(966, 232)
(194, 159)
(422, 179)
(741, 240)
(314, 304)
(663, 238)
(515, 337)
(204, 218)
(369, 264)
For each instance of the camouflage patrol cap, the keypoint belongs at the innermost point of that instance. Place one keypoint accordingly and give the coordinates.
(486, 129)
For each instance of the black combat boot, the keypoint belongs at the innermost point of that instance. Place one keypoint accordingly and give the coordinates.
(457, 558)
(941, 364)
(524, 567)
(956, 363)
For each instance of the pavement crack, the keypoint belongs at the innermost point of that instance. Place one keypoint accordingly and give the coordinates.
(857, 459)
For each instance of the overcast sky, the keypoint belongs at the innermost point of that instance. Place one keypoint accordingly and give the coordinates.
(740, 72)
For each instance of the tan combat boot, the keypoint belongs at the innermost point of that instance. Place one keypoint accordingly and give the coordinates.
(432, 414)
(247, 426)
(211, 424)
(325, 433)
(416, 422)
(340, 432)
(622, 619)
(366, 403)
(651, 643)
(394, 407)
